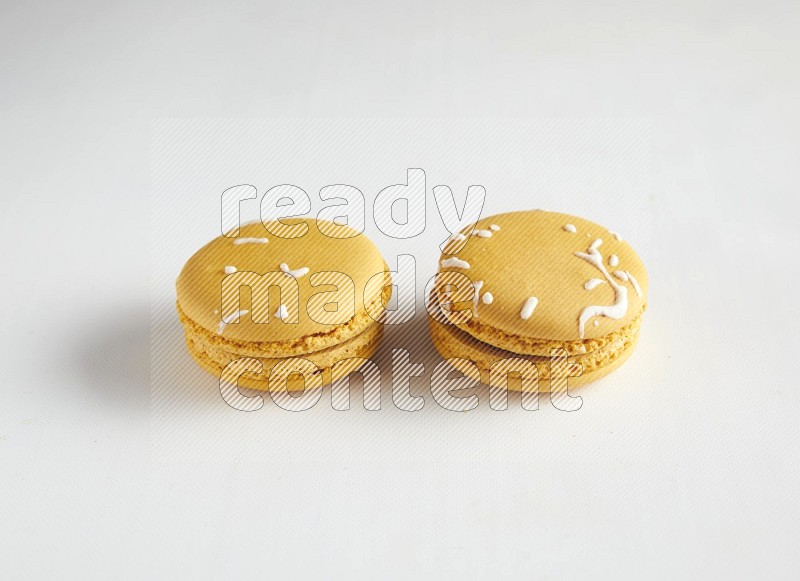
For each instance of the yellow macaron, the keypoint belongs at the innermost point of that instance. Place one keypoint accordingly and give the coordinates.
(523, 284)
(311, 302)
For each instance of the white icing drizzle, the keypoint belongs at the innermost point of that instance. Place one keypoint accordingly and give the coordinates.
(616, 236)
(230, 269)
(494, 227)
(483, 233)
(476, 297)
(232, 318)
(635, 283)
(250, 241)
(296, 273)
(621, 275)
(528, 307)
(613, 260)
(593, 283)
(614, 311)
(454, 262)
(570, 228)
(282, 313)
(597, 322)
(488, 298)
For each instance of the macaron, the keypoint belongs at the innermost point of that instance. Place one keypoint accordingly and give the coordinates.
(287, 312)
(542, 287)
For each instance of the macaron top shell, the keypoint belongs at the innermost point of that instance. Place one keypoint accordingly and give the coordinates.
(549, 276)
(199, 286)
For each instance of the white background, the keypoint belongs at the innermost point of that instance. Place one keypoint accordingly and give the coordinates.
(676, 125)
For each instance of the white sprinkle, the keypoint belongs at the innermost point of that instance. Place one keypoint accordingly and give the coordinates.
(457, 237)
(216, 311)
(455, 263)
(296, 273)
(527, 308)
(230, 269)
(488, 298)
(483, 233)
(282, 313)
(250, 241)
(596, 323)
(570, 228)
(494, 227)
(613, 260)
(620, 275)
(593, 283)
(635, 283)
(232, 318)
(616, 236)
(596, 244)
